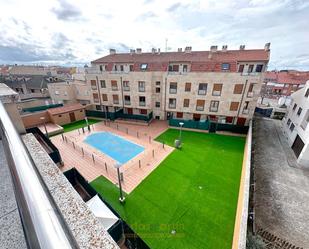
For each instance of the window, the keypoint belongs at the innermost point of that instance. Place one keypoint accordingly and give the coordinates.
(104, 97)
(214, 105)
(102, 83)
(143, 111)
(186, 102)
(144, 66)
(115, 99)
(307, 93)
(216, 91)
(173, 87)
(126, 85)
(158, 83)
(114, 85)
(250, 90)
(127, 100)
(93, 84)
(56, 92)
(200, 105)
(289, 122)
(238, 88)
(299, 111)
(259, 68)
(188, 87)
(241, 68)
(185, 68)
(179, 115)
(95, 97)
(202, 89)
(173, 68)
(158, 104)
(101, 68)
(115, 67)
(172, 103)
(158, 89)
(234, 106)
(250, 68)
(59, 116)
(225, 66)
(32, 90)
(141, 86)
(305, 121)
(131, 68)
(142, 100)
(294, 107)
(121, 68)
(292, 127)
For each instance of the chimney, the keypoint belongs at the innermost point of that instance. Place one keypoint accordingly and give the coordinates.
(224, 48)
(132, 51)
(213, 48)
(159, 50)
(112, 51)
(179, 49)
(267, 46)
(188, 49)
(153, 50)
(138, 50)
(242, 47)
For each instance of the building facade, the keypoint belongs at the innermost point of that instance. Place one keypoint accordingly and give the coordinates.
(295, 125)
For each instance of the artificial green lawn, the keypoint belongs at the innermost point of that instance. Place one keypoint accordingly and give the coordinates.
(78, 124)
(171, 198)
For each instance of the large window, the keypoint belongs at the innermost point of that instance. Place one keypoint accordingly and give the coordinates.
(102, 83)
(142, 100)
(188, 87)
(173, 68)
(294, 107)
(250, 90)
(250, 68)
(241, 68)
(104, 97)
(173, 87)
(157, 104)
(127, 100)
(238, 88)
(225, 66)
(126, 85)
(216, 91)
(141, 86)
(144, 66)
(259, 68)
(115, 99)
(93, 84)
(95, 97)
(186, 102)
(234, 106)
(299, 111)
(214, 106)
(114, 85)
(292, 127)
(200, 103)
(202, 89)
(172, 103)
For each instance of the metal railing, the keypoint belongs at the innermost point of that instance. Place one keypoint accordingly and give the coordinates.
(43, 224)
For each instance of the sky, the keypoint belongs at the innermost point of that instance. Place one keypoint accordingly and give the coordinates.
(75, 32)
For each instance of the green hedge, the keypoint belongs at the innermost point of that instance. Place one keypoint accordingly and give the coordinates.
(201, 125)
(41, 108)
(118, 114)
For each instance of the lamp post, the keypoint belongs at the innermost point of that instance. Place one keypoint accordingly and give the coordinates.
(46, 133)
(86, 119)
(121, 197)
(181, 125)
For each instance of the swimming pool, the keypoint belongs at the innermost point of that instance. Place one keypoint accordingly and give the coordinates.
(114, 146)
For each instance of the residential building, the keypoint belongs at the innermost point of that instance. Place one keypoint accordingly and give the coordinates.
(295, 125)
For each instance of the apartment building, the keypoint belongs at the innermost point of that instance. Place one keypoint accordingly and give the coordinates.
(221, 85)
(295, 125)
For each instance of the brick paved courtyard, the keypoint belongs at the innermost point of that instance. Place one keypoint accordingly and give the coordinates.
(91, 163)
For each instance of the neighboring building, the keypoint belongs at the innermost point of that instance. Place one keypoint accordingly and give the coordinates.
(296, 127)
(66, 114)
(283, 83)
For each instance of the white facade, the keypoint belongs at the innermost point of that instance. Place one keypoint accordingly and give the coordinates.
(296, 125)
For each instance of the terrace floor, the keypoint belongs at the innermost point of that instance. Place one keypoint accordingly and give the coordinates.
(91, 163)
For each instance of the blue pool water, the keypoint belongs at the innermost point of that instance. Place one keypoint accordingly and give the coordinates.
(114, 146)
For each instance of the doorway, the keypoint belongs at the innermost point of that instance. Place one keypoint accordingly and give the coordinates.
(72, 117)
(130, 111)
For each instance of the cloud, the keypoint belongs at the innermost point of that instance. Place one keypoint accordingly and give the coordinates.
(146, 16)
(67, 11)
(174, 7)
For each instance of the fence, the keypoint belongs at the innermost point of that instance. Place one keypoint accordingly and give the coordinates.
(201, 125)
(232, 128)
(118, 114)
(41, 108)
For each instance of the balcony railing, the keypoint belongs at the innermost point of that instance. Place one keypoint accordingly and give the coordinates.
(173, 90)
(115, 88)
(216, 93)
(43, 224)
(250, 94)
(141, 89)
(116, 101)
(93, 87)
(200, 108)
(127, 102)
(172, 106)
(126, 88)
(142, 103)
(250, 74)
(202, 92)
(96, 100)
(213, 109)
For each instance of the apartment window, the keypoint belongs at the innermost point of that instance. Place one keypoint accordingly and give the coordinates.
(173, 68)
(104, 97)
(250, 68)
(179, 115)
(126, 85)
(143, 111)
(241, 68)
(127, 100)
(216, 91)
(102, 83)
(158, 83)
(131, 68)
(121, 68)
(173, 87)
(294, 107)
(93, 84)
(114, 85)
(289, 122)
(259, 68)
(299, 111)
(142, 100)
(188, 87)
(214, 105)
(115, 99)
(115, 67)
(158, 104)
(225, 66)
(250, 90)
(95, 97)
(185, 68)
(238, 88)
(56, 92)
(307, 93)
(144, 66)
(200, 105)
(141, 86)
(158, 89)
(305, 121)
(292, 127)
(101, 68)
(172, 103)
(186, 102)
(202, 89)
(234, 106)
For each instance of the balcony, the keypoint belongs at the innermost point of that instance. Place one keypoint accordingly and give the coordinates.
(250, 94)
(173, 90)
(94, 87)
(216, 93)
(115, 88)
(126, 88)
(172, 106)
(202, 92)
(213, 109)
(127, 102)
(142, 103)
(116, 101)
(245, 111)
(200, 108)
(96, 100)
(141, 89)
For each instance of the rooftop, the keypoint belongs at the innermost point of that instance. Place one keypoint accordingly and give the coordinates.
(65, 109)
(287, 77)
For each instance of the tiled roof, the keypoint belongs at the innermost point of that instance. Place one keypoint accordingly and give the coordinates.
(287, 77)
(65, 109)
(200, 60)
